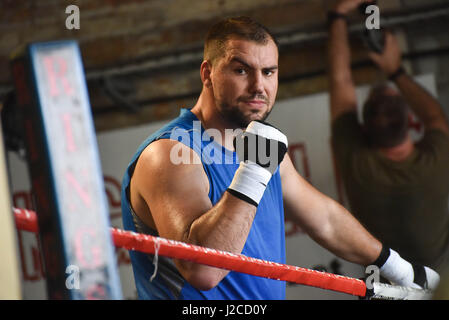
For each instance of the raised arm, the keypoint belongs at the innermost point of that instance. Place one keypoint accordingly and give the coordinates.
(425, 106)
(173, 198)
(342, 90)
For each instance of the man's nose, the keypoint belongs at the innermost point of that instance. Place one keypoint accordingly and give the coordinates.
(256, 85)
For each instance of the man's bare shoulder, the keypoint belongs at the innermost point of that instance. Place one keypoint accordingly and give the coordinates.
(168, 161)
(158, 153)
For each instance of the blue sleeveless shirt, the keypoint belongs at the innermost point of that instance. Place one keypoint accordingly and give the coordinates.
(266, 239)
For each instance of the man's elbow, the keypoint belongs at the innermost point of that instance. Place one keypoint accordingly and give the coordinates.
(204, 278)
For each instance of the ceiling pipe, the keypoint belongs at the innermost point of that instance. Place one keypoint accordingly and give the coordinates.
(292, 37)
(194, 56)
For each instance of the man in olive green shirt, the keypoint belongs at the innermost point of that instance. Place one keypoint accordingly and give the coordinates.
(397, 188)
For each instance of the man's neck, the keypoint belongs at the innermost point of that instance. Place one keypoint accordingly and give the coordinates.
(206, 112)
(399, 152)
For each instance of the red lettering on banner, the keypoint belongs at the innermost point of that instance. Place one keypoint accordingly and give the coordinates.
(301, 148)
(59, 75)
(96, 292)
(87, 235)
(122, 256)
(84, 195)
(292, 228)
(70, 142)
(113, 193)
(24, 199)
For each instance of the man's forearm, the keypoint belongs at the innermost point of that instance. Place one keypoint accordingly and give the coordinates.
(347, 238)
(342, 90)
(224, 227)
(425, 106)
(339, 54)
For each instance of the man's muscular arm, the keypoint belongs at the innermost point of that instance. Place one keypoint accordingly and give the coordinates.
(176, 196)
(334, 228)
(342, 89)
(325, 220)
(177, 199)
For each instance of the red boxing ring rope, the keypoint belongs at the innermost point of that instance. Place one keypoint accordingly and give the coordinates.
(27, 220)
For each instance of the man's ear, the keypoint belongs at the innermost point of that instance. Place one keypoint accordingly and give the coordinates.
(205, 71)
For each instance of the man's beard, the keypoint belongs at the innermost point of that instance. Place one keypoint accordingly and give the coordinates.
(233, 115)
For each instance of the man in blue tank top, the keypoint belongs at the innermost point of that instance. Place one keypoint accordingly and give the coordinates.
(218, 176)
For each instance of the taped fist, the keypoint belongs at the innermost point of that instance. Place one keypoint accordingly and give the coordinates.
(260, 149)
(401, 272)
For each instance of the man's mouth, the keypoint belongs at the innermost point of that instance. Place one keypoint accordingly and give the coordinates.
(256, 103)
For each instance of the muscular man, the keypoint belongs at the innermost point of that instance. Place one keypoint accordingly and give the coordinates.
(398, 189)
(227, 200)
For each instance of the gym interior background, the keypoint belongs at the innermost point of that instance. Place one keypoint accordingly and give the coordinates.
(142, 57)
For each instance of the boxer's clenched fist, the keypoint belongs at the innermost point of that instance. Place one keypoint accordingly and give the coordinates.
(260, 148)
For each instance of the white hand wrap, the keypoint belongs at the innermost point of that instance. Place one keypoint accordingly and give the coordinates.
(401, 272)
(251, 180)
(257, 164)
(266, 131)
(398, 271)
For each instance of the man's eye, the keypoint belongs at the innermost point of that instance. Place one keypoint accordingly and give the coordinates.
(268, 72)
(240, 71)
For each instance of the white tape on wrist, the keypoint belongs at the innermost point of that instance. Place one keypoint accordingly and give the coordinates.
(266, 131)
(433, 278)
(398, 271)
(251, 180)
